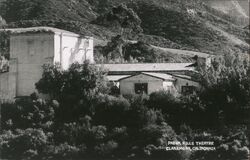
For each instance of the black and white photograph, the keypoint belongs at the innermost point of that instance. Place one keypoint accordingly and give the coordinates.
(124, 80)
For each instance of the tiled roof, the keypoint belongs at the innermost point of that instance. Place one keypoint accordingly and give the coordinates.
(147, 67)
(116, 77)
(182, 76)
(38, 29)
(160, 75)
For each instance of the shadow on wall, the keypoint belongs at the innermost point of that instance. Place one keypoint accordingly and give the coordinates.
(4, 64)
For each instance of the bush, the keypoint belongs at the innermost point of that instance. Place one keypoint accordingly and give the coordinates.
(80, 80)
(27, 113)
(74, 88)
(168, 104)
(231, 146)
(111, 111)
(223, 152)
(140, 51)
(156, 139)
(160, 153)
(121, 16)
(105, 149)
(23, 144)
(63, 151)
(163, 100)
(76, 134)
(157, 134)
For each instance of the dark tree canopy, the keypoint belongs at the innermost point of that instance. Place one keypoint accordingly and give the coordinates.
(79, 81)
(121, 16)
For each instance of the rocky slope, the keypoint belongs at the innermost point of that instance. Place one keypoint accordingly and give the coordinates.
(235, 8)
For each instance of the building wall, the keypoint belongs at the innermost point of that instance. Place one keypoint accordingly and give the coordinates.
(8, 82)
(155, 84)
(169, 86)
(70, 49)
(7, 86)
(29, 52)
(127, 85)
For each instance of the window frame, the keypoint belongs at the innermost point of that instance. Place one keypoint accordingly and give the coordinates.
(141, 87)
(188, 90)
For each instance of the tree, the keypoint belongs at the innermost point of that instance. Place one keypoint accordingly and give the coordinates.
(5, 44)
(79, 81)
(114, 48)
(226, 88)
(140, 51)
(230, 65)
(14, 10)
(121, 16)
(74, 88)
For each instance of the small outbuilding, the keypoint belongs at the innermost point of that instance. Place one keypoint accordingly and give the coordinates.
(146, 82)
(176, 78)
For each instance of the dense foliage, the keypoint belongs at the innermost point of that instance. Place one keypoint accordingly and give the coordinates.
(80, 120)
(118, 50)
(121, 17)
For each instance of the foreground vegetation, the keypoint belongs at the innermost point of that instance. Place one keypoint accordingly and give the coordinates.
(86, 119)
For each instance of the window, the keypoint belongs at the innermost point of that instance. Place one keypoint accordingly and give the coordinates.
(141, 88)
(186, 90)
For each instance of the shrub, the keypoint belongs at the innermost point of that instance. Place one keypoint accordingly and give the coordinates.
(121, 16)
(155, 139)
(163, 100)
(26, 113)
(230, 146)
(63, 151)
(76, 134)
(79, 81)
(23, 144)
(74, 88)
(168, 104)
(119, 134)
(105, 149)
(157, 134)
(140, 51)
(160, 153)
(111, 111)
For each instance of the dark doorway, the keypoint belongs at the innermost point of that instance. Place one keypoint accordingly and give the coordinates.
(141, 88)
(187, 90)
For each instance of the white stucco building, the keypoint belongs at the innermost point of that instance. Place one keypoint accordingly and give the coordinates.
(31, 48)
(146, 82)
(176, 78)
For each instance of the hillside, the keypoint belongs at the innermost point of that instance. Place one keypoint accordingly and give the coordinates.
(190, 25)
(234, 8)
